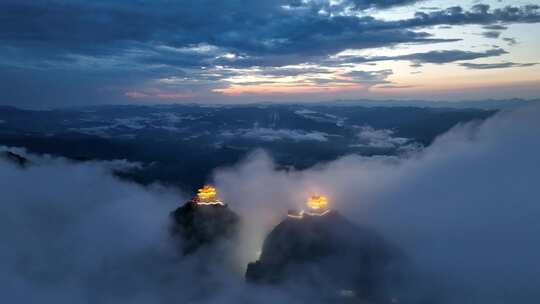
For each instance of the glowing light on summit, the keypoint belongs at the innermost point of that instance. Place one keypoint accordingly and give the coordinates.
(317, 202)
(207, 195)
(317, 205)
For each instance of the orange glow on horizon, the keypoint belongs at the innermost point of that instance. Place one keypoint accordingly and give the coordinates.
(154, 94)
(273, 89)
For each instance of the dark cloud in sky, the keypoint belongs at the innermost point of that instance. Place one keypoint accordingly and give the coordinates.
(354, 5)
(510, 40)
(440, 57)
(495, 27)
(479, 14)
(369, 77)
(502, 65)
(437, 57)
(255, 28)
(491, 34)
(363, 4)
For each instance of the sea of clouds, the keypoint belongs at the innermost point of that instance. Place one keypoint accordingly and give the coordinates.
(465, 210)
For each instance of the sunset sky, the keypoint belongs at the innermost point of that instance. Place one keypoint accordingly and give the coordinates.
(70, 53)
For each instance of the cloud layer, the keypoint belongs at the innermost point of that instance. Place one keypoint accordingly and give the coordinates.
(464, 209)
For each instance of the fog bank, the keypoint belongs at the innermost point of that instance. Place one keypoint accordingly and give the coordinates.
(464, 209)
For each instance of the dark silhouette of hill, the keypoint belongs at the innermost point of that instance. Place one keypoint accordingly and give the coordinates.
(15, 158)
(331, 255)
(180, 145)
(195, 225)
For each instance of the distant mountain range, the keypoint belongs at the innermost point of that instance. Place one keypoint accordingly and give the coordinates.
(182, 144)
(488, 104)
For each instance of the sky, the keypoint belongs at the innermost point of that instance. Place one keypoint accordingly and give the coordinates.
(74, 52)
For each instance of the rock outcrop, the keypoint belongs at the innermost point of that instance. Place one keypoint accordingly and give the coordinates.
(15, 158)
(330, 253)
(202, 222)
